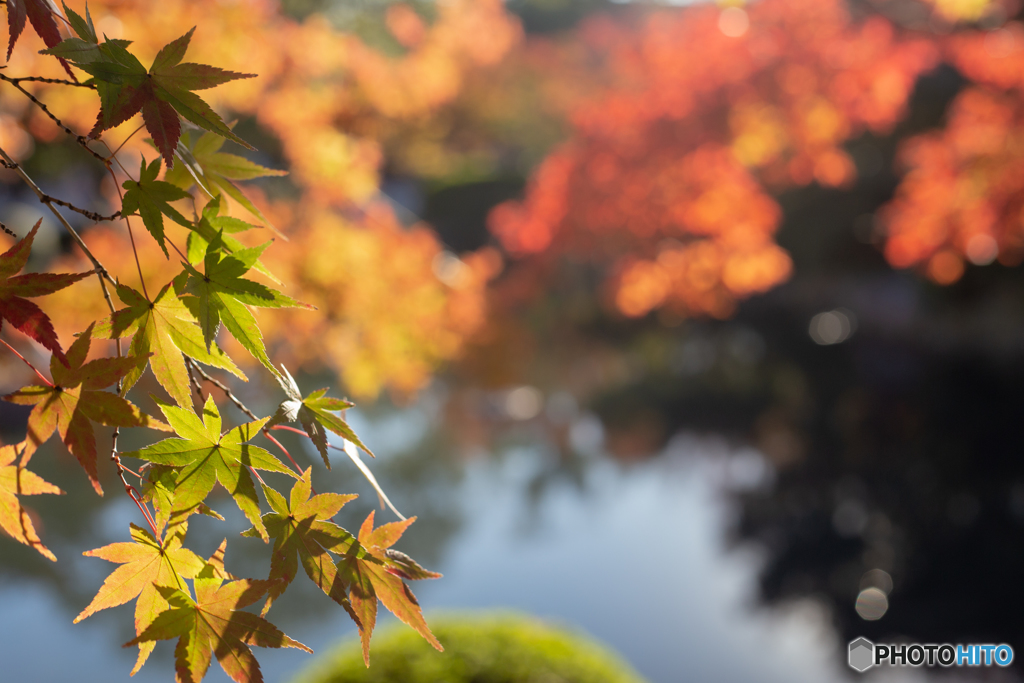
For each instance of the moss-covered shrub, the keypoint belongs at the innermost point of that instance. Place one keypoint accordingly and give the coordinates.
(492, 648)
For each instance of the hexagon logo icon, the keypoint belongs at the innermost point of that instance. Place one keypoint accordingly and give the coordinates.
(862, 654)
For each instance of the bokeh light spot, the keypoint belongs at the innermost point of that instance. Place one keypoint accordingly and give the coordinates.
(982, 249)
(733, 22)
(945, 267)
(524, 403)
(877, 578)
(832, 327)
(872, 604)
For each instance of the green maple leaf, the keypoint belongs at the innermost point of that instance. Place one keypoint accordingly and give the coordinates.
(148, 197)
(24, 315)
(315, 414)
(212, 227)
(213, 170)
(163, 330)
(76, 400)
(213, 624)
(146, 563)
(207, 456)
(16, 481)
(158, 489)
(302, 533)
(161, 93)
(221, 294)
(373, 574)
(83, 27)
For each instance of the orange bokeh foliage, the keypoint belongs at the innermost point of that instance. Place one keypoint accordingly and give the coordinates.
(963, 194)
(387, 318)
(687, 119)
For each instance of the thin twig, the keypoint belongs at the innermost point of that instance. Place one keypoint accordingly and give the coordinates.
(52, 81)
(80, 139)
(91, 215)
(220, 385)
(101, 272)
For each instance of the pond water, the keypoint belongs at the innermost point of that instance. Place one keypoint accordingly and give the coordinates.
(631, 554)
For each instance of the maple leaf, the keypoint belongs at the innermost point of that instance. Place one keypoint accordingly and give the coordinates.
(213, 624)
(212, 227)
(16, 481)
(161, 93)
(376, 575)
(222, 295)
(158, 488)
(302, 532)
(314, 414)
(148, 197)
(213, 170)
(86, 47)
(83, 27)
(41, 13)
(24, 315)
(146, 563)
(207, 456)
(76, 400)
(163, 330)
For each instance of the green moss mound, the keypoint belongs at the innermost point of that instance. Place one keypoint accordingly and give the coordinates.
(501, 648)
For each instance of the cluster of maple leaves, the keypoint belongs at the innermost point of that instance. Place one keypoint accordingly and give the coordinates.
(170, 333)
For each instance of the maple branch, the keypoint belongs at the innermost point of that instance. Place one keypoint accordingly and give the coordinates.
(38, 374)
(103, 276)
(101, 272)
(91, 215)
(52, 81)
(4, 227)
(220, 385)
(80, 139)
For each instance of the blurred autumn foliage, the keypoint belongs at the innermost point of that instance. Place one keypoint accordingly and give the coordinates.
(394, 304)
(693, 119)
(679, 127)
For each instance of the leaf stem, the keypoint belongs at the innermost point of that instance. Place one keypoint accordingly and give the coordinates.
(114, 153)
(38, 374)
(270, 436)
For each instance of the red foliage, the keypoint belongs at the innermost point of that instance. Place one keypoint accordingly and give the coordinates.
(690, 115)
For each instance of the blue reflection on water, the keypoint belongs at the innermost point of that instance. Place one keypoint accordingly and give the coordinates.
(635, 558)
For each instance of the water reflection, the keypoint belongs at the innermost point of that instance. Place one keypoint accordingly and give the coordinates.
(631, 553)
(866, 488)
